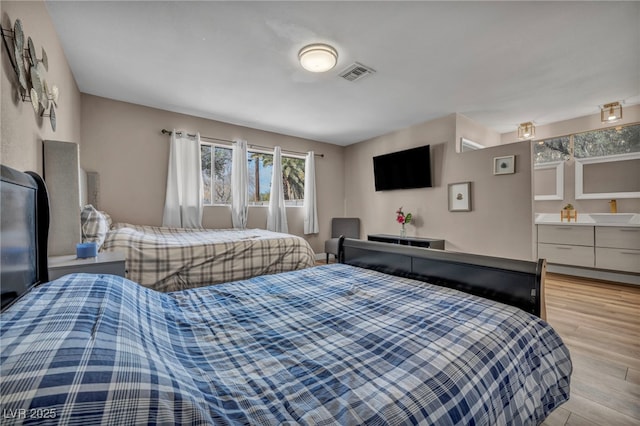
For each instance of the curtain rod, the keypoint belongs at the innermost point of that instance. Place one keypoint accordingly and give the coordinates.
(168, 132)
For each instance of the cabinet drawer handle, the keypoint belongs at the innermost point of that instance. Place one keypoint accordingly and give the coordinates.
(564, 248)
(564, 227)
(628, 230)
(635, 253)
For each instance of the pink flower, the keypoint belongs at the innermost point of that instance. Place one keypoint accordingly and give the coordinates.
(401, 218)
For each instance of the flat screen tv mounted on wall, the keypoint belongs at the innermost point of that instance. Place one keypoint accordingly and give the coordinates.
(406, 169)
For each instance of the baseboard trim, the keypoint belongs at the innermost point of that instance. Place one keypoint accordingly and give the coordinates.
(597, 274)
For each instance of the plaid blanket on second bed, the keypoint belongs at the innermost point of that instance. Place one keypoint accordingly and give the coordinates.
(331, 345)
(170, 259)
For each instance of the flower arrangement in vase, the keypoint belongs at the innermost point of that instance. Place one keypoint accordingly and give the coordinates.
(403, 219)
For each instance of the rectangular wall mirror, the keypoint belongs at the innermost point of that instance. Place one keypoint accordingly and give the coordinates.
(548, 181)
(615, 176)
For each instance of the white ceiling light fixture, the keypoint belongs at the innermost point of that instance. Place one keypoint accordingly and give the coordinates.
(318, 57)
(610, 113)
(526, 130)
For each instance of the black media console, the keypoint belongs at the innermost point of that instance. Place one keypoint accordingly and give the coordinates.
(408, 241)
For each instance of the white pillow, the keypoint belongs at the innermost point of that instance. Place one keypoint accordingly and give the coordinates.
(108, 219)
(94, 225)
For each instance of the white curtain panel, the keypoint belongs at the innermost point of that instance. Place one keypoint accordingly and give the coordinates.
(183, 201)
(311, 225)
(239, 185)
(277, 216)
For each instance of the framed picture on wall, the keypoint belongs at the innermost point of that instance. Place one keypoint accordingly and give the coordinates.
(460, 197)
(504, 165)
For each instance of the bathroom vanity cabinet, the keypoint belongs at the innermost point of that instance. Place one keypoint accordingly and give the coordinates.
(567, 244)
(615, 248)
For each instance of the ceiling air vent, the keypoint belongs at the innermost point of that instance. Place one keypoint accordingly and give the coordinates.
(356, 71)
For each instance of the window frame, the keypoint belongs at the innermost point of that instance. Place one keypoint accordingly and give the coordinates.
(543, 141)
(213, 145)
(288, 203)
(258, 151)
(297, 202)
(611, 157)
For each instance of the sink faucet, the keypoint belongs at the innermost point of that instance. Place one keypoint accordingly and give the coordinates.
(613, 207)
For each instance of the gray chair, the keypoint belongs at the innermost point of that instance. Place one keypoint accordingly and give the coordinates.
(347, 226)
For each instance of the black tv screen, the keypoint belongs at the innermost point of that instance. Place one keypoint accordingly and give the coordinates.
(406, 169)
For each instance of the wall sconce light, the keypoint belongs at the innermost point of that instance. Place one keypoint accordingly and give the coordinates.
(318, 57)
(526, 130)
(610, 113)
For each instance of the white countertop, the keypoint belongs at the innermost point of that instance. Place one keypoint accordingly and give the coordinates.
(591, 219)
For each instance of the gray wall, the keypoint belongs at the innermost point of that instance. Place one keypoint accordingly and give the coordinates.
(123, 143)
(501, 221)
(631, 114)
(22, 130)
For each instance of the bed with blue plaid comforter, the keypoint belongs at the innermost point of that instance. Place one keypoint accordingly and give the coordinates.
(327, 345)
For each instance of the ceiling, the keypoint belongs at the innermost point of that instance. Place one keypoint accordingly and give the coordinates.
(498, 63)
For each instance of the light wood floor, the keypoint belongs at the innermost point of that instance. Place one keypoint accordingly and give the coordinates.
(600, 323)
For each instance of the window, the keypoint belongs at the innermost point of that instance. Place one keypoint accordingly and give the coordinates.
(216, 176)
(293, 180)
(614, 141)
(605, 142)
(551, 150)
(607, 163)
(260, 171)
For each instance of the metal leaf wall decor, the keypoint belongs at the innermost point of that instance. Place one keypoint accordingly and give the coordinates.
(30, 82)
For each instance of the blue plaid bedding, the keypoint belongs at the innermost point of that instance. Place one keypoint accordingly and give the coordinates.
(327, 345)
